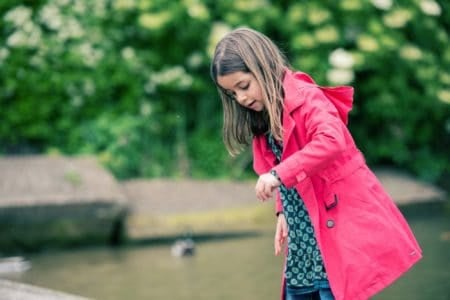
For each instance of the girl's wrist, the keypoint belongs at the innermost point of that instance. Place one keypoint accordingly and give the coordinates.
(275, 174)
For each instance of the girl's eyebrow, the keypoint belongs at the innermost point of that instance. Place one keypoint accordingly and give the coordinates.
(237, 83)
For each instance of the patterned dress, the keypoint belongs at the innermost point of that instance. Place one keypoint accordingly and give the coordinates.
(304, 270)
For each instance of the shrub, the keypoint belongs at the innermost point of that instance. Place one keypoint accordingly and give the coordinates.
(129, 80)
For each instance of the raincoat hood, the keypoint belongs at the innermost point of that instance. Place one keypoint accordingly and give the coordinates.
(340, 96)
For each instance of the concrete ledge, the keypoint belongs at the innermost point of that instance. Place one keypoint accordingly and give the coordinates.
(171, 196)
(10, 290)
(47, 201)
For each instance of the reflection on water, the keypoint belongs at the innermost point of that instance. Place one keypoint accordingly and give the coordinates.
(239, 268)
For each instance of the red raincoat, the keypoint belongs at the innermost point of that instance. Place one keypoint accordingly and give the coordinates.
(365, 241)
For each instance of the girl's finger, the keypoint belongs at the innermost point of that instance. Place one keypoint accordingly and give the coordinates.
(262, 196)
(268, 191)
(259, 196)
(277, 245)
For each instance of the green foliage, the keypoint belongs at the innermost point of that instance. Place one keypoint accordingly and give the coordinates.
(129, 80)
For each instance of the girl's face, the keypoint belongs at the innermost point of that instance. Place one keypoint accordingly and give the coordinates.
(244, 88)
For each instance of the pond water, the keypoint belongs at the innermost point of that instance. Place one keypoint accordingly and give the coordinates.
(242, 267)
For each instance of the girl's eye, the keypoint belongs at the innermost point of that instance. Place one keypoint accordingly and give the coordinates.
(245, 87)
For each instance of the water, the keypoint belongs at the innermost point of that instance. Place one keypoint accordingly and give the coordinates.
(225, 269)
(228, 268)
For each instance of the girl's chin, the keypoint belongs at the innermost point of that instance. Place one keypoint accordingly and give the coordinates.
(257, 107)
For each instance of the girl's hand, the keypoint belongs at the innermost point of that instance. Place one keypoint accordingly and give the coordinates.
(265, 185)
(280, 233)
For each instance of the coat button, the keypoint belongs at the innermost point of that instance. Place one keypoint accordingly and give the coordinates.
(330, 223)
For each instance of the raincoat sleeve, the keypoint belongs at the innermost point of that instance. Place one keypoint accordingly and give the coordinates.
(319, 121)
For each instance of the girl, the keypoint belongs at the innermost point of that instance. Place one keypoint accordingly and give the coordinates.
(346, 239)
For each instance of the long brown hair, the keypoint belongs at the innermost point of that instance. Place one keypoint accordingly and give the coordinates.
(249, 51)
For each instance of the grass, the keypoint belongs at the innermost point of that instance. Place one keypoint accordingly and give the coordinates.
(254, 217)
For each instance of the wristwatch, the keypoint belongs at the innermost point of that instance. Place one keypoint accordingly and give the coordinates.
(274, 173)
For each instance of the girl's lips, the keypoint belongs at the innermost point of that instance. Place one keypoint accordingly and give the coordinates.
(251, 104)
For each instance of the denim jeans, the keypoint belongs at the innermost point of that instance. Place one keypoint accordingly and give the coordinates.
(321, 294)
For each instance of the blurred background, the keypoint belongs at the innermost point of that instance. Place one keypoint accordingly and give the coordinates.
(127, 81)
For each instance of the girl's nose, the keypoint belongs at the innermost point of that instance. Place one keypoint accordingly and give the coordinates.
(241, 97)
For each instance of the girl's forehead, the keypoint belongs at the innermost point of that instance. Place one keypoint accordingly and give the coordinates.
(230, 81)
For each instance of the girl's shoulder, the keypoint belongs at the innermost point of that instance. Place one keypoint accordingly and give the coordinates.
(298, 87)
(295, 80)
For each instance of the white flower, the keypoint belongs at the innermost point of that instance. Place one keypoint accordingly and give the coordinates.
(124, 4)
(411, 52)
(79, 7)
(18, 15)
(66, 27)
(195, 60)
(397, 18)
(16, 39)
(76, 101)
(4, 53)
(99, 7)
(173, 75)
(145, 108)
(367, 43)
(326, 34)
(218, 31)
(382, 4)
(318, 16)
(29, 36)
(341, 59)
(88, 87)
(128, 53)
(62, 3)
(89, 54)
(430, 7)
(250, 5)
(37, 61)
(51, 17)
(444, 96)
(340, 76)
(71, 30)
(27, 33)
(154, 21)
(150, 86)
(197, 10)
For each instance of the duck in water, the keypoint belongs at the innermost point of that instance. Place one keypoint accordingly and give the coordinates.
(183, 247)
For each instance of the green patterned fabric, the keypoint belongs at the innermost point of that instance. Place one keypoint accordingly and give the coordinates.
(304, 265)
